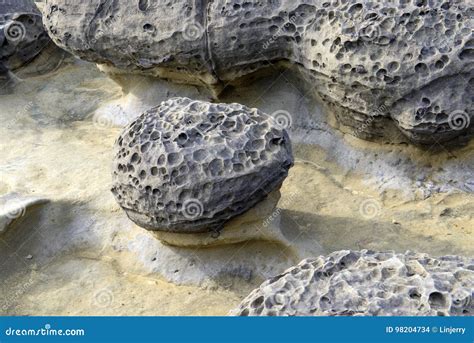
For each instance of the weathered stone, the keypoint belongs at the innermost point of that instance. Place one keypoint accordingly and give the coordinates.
(22, 36)
(190, 166)
(260, 223)
(22, 40)
(367, 283)
(373, 62)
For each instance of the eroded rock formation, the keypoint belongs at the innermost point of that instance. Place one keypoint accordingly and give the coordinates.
(22, 40)
(409, 61)
(367, 283)
(190, 166)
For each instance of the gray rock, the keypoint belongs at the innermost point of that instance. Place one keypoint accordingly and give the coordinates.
(22, 36)
(190, 166)
(22, 40)
(244, 228)
(374, 63)
(367, 283)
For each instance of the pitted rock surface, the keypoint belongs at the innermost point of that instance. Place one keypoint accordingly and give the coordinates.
(22, 36)
(190, 166)
(23, 39)
(367, 283)
(409, 61)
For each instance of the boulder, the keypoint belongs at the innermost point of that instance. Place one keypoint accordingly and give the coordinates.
(190, 166)
(378, 65)
(367, 283)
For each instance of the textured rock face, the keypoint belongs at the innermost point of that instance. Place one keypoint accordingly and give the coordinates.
(190, 166)
(409, 61)
(246, 227)
(367, 283)
(22, 40)
(22, 36)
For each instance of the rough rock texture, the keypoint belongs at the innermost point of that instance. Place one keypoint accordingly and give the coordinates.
(411, 61)
(22, 36)
(258, 223)
(190, 166)
(22, 40)
(367, 283)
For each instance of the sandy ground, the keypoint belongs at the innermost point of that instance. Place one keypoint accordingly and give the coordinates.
(68, 257)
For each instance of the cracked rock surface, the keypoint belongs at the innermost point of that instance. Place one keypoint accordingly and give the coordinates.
(375, 63)
(190, 166)
(367, 283)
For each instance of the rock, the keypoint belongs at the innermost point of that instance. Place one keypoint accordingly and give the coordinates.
(375, 63)
(23, 40)
(367, 283)
(22, 36)
(260, 223)
(14, 206)
(190, 166)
